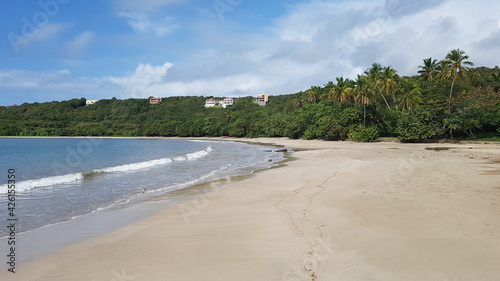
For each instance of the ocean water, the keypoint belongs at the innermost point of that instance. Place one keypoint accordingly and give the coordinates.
(59, 179)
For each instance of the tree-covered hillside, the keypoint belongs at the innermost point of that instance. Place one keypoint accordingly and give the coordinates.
(447, 99)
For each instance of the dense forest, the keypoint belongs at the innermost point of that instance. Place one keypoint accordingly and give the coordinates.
(449, 98)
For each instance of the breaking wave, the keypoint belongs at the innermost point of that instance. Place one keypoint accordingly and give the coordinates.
(24, 186)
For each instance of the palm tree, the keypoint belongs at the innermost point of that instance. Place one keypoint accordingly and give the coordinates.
(329, 84)
(429, 70)
(443, 72)
(374, 75)
(374, 72)
(229, 116)
(342, 92)
(410, 95)
(363, 93)
(312, 95)
(456, 62)
(496, 77)
(454, 66)
(331, 94)
(326, 89)
(388, 83)
(299, 100)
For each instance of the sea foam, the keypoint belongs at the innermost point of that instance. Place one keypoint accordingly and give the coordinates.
(24, 186)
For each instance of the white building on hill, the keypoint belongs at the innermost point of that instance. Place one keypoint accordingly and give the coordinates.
(262, 99)
(210, 102)
(154, 100)
(213, 102)
(227, 102)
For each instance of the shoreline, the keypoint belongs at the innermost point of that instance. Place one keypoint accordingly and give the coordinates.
(251, 140)
(340, 211)
(47, 239)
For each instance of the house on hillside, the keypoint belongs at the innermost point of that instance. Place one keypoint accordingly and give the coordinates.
(227, 102)
(154, 100)
(210, 102)
(263, 99)
(90, 102)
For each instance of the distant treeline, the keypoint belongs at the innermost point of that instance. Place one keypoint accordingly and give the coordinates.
(448, 99)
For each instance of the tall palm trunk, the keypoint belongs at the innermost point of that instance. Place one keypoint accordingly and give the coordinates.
(364, 114)
(451, 90)
(449, 107)
(386, 103)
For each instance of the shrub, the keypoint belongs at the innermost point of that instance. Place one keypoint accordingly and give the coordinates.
(364, 134)
(418, 126)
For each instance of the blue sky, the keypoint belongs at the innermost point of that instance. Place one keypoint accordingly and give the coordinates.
(63, 49)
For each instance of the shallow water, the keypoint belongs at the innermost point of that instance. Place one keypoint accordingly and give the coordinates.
(59, 180)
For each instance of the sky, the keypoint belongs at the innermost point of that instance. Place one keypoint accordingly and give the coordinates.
(53, 50)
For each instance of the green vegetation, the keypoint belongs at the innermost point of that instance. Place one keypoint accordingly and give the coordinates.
(448, 99)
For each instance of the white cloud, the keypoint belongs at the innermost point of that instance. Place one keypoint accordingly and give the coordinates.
(50, 30)
(22, 86)
(31, 79)
(320, 40)
(394, 32)
(307, 21)
(143, 23)
(145, 78)
(310, 45)
(31, 34)
(78, 46)
(224, 86)
(32, 86)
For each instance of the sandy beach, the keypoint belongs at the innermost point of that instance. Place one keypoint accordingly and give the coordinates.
(337, 211)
